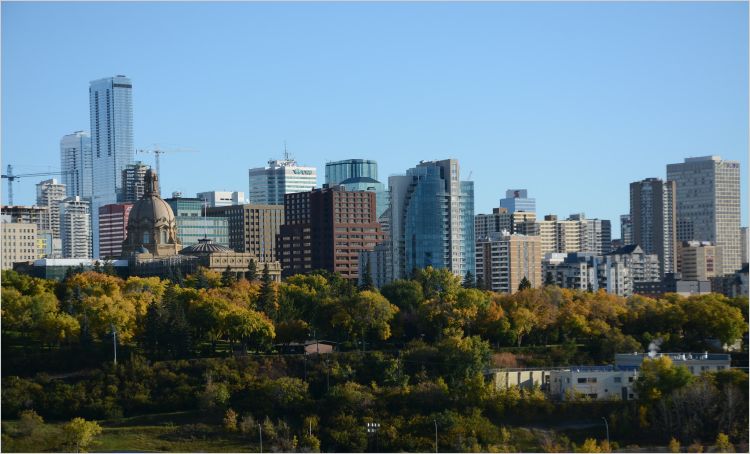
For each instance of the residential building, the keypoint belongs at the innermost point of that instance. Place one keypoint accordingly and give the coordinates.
(111, 114)
(19, 243)
(643, 267)
(673, 283)
(378, 262)
(567, 271)
(268, 185)
(133, 182)
(708, 205)
(696, 363)
(327, 229)
(252, 228)
(653, 220)
(25, 214)
(626, 229)
(498, 221)
(75, 228)
(503, 260)
(518, 200)
(113, 223)
(575, 234)
(586, 271)
(193, 224)
(698, 260)
(222, 198)
(76, 164)
(432, 219)
(548, 234)
(595, 234)
(49, 194)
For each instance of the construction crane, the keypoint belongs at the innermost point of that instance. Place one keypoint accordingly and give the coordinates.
(158, 151)
(11, 178)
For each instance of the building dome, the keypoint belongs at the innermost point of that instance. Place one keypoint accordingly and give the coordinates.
(151, 223)
(205, 246)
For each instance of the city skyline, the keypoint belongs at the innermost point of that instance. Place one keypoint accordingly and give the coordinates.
(574, 141)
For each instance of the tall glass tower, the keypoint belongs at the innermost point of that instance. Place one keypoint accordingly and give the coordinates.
(358, 175)
(111, 113)
(75, 160)
(432, 219)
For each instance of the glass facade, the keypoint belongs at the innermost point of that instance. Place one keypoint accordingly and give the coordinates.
(338, 171)
(269, 184)
(111, 113)
(518, 200)
(192, 225)
(76, 162)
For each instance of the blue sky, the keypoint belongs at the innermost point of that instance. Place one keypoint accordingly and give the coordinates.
(571, 100)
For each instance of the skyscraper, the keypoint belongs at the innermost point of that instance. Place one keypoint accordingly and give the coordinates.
(626, 229)
(49, 194)
(268, 185)
(113, 223)
(338, 171)
(432, 219)
(75, 227)
(133, 182)
(708, 205)
(652, 216)
(503, 260)
(518, 200)
(111, 113)
(76, 162)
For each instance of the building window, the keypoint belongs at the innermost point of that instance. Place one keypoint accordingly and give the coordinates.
(146, 238)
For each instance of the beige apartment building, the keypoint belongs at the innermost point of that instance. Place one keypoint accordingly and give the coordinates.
(698, 260)
(503, 260)
(19, 243)
(252, 228)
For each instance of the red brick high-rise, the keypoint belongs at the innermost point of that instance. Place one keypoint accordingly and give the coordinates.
(325, 229)
(113, 224)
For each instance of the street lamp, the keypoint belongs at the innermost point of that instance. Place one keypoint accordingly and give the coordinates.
(607, 427)
(436, 443)
(260, 434)
(372, 428)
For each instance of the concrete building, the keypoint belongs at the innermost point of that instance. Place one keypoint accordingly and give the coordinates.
(49, 194)
(113, 223)
(76, 164)
(626, 229)
(698, 260)
(378, 261)
(268, 185)
(193, 225)
(75, 228)
(673, 283)
(252, 228)
(19, 243)
(222, 198)
(567, 271)
(498, 221)
(432, 219)
(696, 363)
(654, 222)
(708, 205)
(589, 272)
(327, 229)
(593, 382)
(575, 234)
(111, 114)
(518, 200)
(504, 260)
(595, 234)
(743, 244)
(643, 267)
(133, 182)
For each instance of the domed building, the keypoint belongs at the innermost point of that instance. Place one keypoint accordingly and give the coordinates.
(152, 229)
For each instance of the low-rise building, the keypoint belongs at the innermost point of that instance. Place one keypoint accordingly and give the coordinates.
(593, 382)
(696, 363)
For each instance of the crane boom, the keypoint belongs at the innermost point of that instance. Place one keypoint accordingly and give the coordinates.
(158, 151)
(11, 178)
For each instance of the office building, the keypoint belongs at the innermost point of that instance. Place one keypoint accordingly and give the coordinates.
(222, 198)
(339, 171)
(743, 244)
(252, 228)
(133, 182)
(698, 260)
(113, 223)
(19, 243)
(268, 185)
(432, 219)
(111, 114)
(518, 200)
(49, 194)
(327, 229)
(708, 205)
(504, 260)
(193, 225)
(76, 164)
(626, 230)
(75, 228)
(653, 220)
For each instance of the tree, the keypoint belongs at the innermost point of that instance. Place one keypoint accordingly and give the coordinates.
(79, 433)
(230, 421)
(549, 279)
(723, 444)
(367, 313)
(480, 283)
(525, 284)
(674, 445)
(522, 321)
(228, 277)
(366, 281)
(267, 300)
(469, 280)
(658, 377)
(252, 271)
(29, 421)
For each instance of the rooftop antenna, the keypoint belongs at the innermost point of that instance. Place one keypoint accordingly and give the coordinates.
(286, 153)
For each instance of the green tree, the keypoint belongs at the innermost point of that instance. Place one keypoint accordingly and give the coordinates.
(366, 281)
(228, 277)
(230, 421)
(658, 377)
(267, 300)
(252, 270)
(723, 444)
(366, 314)
(524, 285)
(29, 422)
(78, 434)
(469, 280)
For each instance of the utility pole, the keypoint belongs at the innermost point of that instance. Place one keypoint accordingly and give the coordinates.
(260, 434)
(114, 340)
(607, 427)
(436, 438)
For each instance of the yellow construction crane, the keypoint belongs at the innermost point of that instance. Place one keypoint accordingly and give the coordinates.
(158, 151)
